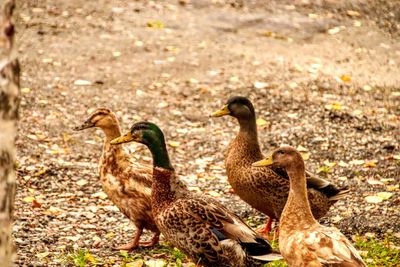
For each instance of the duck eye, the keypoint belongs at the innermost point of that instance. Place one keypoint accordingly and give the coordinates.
(281, 152)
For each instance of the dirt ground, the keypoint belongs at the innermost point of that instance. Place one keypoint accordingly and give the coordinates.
(323, 75)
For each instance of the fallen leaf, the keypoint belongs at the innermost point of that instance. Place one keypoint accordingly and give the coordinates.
(374, 182)
(353, 13)
(25, 90)
(334, 30)
(345, 78)
(174, 143)
(301, 148)
(82, 182)
(82, 82)
(333, 106)
(370, 164)
(137, 263)
(28, 199)
(53, 211)
(36, 204)
(116, 54)
(373, 199)
(156, 24)
(385, 195)
(305, 155)
(100, 195)
(261, 122)
(260, 85)
(357, 162)
(155, 263)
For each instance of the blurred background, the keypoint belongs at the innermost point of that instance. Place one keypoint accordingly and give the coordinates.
(323, 77)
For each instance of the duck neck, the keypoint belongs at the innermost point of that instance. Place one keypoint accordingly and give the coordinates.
(111, 133)
(162, 192)
(297, 202)
(247, 141)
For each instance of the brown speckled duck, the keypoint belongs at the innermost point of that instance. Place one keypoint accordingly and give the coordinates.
(303, 241)
(126, 182)
(202, 228)
(265, 189)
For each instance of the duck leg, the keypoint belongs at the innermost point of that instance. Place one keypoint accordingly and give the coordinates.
(134, 244)
(153, 241)
(268, 226)
(276, 233)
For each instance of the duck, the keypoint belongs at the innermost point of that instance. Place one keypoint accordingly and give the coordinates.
(126, 182)
(266, 189)
(205, 230)
(303, 241)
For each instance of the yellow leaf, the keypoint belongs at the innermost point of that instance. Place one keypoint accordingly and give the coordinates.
(90, 257)
(155, 24)
(305, 155)
(345, 78)
(173, 143)
(396, 156)
(28, 199)
(392, 187)
(370, 164)
(25, 90)
(261, 122)
(137, 263)
(334, 106)
(110, 235)
(385, 195)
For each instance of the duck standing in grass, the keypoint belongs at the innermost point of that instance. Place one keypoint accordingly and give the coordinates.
(265, 189)
(303, 241)
(202, 228)
(126, 182)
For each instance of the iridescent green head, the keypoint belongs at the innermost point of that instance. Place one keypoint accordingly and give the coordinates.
(150, 135)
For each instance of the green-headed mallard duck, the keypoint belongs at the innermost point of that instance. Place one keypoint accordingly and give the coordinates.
(303, 241)
(265, 189)
(201, 227)
(126, 182)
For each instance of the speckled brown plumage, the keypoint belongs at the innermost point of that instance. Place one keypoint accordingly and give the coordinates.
(126, 182)
(202, 228)
(303, 241)
(263, 188)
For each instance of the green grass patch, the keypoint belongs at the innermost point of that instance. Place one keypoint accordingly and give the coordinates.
(80, 258)
(379, 253)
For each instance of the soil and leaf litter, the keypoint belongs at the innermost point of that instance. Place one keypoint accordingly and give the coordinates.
(322, 78)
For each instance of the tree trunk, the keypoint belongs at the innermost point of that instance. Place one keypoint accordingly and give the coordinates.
(9, 104)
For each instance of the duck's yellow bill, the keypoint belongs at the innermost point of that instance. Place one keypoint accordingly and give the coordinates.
(222, 112)
(122, 139)
(265, 162)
